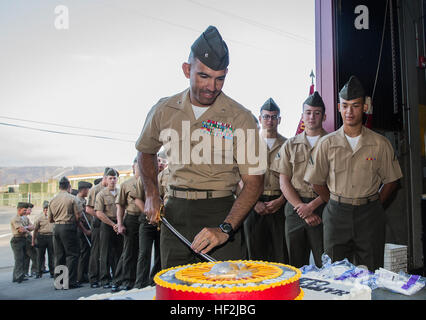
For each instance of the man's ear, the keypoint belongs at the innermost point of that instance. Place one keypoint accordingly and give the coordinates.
(186, 68)
(338, 107)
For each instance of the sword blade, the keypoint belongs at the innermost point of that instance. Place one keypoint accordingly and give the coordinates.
(88, 241)
(186, 241)
(87, 221)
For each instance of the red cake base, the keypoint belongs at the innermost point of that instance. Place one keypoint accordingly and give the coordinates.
(288, 292)
(259, 281)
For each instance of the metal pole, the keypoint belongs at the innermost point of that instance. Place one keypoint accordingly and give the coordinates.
(90, 228)
(395, 90)
(87, 221)
(88, 241)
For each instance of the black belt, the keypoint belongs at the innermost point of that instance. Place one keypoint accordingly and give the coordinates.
(133, 213)
(264, 198)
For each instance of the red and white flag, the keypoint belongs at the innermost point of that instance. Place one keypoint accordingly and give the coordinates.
(301, 126)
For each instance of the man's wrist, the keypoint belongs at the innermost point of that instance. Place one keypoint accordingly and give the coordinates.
(299, 204)
(151, 191)
(227, 229)
(281, 200)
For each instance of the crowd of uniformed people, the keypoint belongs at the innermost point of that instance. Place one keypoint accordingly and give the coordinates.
(319, 193)
(97, 231)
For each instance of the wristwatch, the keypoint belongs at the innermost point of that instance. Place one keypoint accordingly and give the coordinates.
(227, 228)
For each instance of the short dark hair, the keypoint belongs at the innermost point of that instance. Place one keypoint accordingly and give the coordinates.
(22, 205)
(64, 184)
(112, 172)
(84, 185)
(364, 98)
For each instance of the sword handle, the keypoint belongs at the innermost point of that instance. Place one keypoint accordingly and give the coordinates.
(160, 214)
(186, 241)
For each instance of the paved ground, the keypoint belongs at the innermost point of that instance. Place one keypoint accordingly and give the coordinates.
(39, 289)
(33, 289)
(6, 255)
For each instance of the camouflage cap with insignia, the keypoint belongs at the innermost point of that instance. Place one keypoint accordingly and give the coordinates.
(270, 105)
(353, 89)
(22, 205)
(112, 172)
(314, 100)
(45, 204)
(106, 170)
(84, 185)
(211, 50)
(30, 205)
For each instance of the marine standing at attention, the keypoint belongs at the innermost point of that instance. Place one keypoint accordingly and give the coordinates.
(64, 213)
(43, 241)
(128, 221)
(29, 248)
(83, 232)
(303, 210)
(264, 226)
(149, 237)
(111, 243)
(94, 263)
(17, 243)
(346, 170)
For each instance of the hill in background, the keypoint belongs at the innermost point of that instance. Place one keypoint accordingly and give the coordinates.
(17, 175)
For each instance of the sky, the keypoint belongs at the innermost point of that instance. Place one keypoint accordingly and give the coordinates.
(101, 75)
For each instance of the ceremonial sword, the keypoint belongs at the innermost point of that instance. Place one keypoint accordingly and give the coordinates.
(186, 241)
(87, 221)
